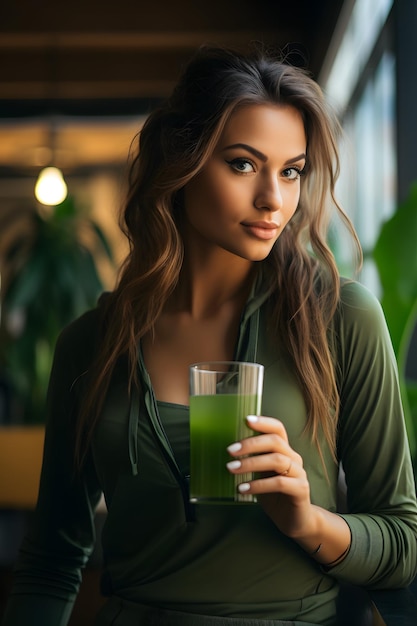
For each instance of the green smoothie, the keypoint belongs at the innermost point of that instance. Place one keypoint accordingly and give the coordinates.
(216, 421)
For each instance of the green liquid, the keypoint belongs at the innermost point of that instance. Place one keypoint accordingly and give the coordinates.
(216, 421)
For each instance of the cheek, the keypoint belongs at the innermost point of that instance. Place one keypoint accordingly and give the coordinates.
(294, 199)
(205, 201)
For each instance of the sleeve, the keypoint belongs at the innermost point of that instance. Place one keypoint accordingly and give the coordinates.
(48, 572)
(373, 448)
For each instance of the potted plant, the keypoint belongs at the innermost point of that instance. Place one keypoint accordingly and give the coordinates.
(50, 267)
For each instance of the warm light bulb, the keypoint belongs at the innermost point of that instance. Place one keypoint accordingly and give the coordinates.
(50, 188)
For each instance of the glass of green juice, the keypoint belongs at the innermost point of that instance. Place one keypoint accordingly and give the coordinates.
(222, 394)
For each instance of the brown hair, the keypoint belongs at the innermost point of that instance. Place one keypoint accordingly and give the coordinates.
(174, 144)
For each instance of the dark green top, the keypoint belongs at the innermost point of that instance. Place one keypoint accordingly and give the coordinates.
(220, 560)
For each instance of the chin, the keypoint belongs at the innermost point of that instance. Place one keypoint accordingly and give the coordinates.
(256, 256)
(261, 253)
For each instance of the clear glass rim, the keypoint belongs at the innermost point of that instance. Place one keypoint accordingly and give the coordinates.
(222, 366)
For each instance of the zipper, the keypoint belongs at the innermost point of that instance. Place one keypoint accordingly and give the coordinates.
(160, 436)
(166, 449)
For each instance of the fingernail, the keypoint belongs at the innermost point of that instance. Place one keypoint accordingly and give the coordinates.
(233, 465)
(244, 487)
(252, 419)
(234, 447)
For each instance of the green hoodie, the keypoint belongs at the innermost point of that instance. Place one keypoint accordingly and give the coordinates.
(160, 550)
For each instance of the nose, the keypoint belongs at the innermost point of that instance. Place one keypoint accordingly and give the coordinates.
(269, 195)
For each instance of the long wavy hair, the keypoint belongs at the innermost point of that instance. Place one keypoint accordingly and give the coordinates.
(174, 144)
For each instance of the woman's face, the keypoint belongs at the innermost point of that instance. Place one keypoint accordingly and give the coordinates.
(250, 187)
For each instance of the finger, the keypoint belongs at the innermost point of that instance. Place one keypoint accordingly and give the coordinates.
(273, 464)
(297, 487)
(267, 425)
(261, 444)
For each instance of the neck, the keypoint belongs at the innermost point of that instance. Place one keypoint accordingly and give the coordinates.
(205, 286)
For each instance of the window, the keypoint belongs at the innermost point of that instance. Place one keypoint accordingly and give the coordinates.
(361, 84)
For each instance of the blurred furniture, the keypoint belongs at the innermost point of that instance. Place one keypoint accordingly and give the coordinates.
(398, 607)
(21, 449)
(360, 607)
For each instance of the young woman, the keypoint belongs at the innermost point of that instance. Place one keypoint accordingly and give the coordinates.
(226, 216)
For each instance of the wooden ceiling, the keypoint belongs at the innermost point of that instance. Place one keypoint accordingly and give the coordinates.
(96, 67)
(101, 57)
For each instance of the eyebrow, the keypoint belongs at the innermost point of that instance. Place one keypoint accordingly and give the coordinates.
(261, 155)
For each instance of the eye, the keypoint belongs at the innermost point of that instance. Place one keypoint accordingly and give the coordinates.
(292, 173)
(241, 165)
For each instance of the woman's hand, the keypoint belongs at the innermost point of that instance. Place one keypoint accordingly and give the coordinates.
(283, 491)
(282, 487)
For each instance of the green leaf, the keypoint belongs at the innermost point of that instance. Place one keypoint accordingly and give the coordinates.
(395, 254)
(103, 240)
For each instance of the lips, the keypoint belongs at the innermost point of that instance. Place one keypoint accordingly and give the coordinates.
(262, 229)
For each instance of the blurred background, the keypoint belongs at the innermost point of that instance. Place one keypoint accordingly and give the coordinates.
(77, 80)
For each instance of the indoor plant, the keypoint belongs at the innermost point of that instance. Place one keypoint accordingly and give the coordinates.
(395, 254)
(51, 277)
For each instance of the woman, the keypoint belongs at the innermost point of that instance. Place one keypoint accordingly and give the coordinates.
(226, 217)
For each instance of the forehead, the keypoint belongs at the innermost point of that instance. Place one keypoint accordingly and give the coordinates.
(266, 126)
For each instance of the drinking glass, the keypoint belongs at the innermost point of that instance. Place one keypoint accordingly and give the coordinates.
(222, 394)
